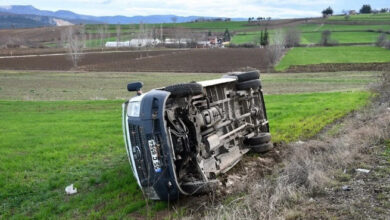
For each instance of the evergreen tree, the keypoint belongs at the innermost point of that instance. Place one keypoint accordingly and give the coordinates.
(327, 11)
(366, 9)
(266, 37)
(261, 38)
(226, 35)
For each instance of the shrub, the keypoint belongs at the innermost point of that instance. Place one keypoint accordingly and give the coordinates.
(275, 51)
(387, 45)
(326, 38)
(292, 37)
(382, 40)
(246, 45)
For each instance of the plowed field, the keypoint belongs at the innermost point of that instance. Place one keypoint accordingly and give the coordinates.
(196, 60)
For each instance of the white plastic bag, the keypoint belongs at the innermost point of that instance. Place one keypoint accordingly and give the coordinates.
(70, 190)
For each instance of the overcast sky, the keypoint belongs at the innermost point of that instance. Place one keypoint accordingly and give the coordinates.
(214, 8)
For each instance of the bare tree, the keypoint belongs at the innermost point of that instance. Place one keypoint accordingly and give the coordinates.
(90, 40)
(118, 34)
(326, 38)
(74, 44)
(275, 49)
(161, 33)
(292, 37)
(181, 36)
(63, 38)
(101, 35)
(83, 36)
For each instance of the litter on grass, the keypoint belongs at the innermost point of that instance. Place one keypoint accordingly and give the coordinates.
(70, 190)
(362, 170)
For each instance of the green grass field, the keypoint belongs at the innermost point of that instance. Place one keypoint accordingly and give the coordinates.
(47, 145)
(342, 27)
(44, 146)
(251, 37)
(312, 37)
(300, 116)
(341, 37)
(363, 17)
(213, 26)
(341, 54)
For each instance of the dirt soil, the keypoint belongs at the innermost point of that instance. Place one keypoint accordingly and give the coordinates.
(30, 36)
(195, 60)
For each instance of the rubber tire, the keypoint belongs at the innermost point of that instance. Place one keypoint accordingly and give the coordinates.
(259, 139)
(242, 77)
(184, 89)
(251, 84)
(262, 148)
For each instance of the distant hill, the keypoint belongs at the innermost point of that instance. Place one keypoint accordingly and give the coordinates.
(8, 21)
(78, 18)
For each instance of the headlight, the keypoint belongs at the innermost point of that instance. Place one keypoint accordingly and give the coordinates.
(133, 109)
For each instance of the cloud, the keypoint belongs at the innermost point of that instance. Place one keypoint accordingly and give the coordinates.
(217, 8)
(296, 2)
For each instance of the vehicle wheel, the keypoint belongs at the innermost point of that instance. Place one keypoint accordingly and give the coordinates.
(262, 148)
(251, 84)
(185, 89)
(242, 77)
(259, 139)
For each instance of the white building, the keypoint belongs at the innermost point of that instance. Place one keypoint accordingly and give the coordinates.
(177, 41)
(134, 43)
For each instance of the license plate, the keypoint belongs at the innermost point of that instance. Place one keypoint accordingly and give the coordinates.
(154, 153)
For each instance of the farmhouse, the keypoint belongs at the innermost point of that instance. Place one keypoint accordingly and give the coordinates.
(134, 43)
(352, 12)
(177, 41)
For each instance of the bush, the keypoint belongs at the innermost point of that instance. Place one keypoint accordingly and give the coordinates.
(382, 40)
(275, 51)
(246, 45)
(326, 38)
(387, 45)
(292, 37)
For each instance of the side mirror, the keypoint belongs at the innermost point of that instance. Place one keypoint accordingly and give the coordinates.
(134, 87)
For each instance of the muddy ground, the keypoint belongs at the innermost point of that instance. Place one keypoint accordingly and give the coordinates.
(195, 60)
